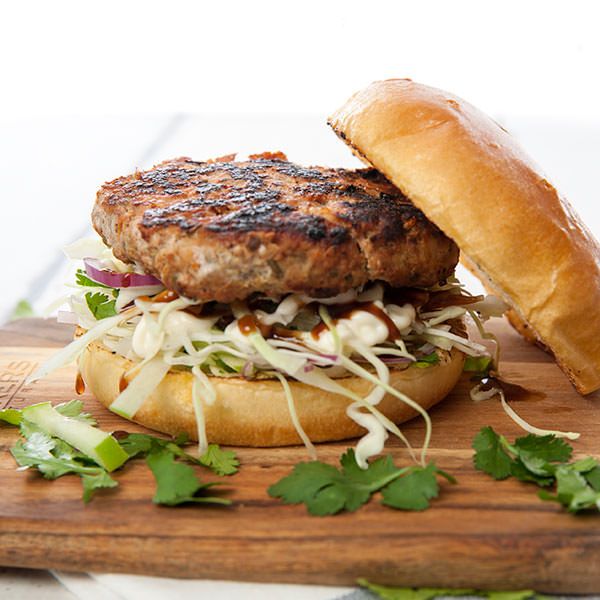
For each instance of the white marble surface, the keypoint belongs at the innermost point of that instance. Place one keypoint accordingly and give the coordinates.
(29, 584)
(128, 587)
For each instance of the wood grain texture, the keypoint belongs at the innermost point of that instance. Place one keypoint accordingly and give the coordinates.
(479, 533)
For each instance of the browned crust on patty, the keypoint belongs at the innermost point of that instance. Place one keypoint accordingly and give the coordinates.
(224, 230)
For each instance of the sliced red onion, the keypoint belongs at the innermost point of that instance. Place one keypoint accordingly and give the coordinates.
(331, 357)
(248, 370)
(388, 360)
(427, 348)
(97, 272)
(308, 367)
(322, 359)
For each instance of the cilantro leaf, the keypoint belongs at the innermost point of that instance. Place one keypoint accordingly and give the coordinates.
(490, 455)
(326, 490)
(584, 465)
(138, 443)
(94, 482)
(82, 279)
(141, 444)
(74, 410)
(593, 478)
(177, 482)
(54, 458)
(397, 593)
(304, 483)
(354, 486)
(100, 305)
(414, 490)
(538, 452)
(572, 490)
(378, 473)
(517, 595)
(522, 473)
(222, 462)
(426, 361)
(542, 460)
(37, 445)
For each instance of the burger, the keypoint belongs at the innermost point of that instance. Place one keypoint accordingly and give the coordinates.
(258, 302)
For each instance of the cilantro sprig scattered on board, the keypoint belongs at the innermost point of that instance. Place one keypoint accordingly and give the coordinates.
(177, 483)
(397, 593)
(544, 461)
(176, 480)
(53, 457)
(327, 490)
(219, 461)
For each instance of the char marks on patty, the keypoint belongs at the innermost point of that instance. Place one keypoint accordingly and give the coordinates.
(222, 230)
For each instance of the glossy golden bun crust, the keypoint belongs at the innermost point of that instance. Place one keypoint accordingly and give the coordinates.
(255, 413)
(472, 179)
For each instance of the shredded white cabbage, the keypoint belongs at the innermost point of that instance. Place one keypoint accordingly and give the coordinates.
(69, 353)
(158, 335)
(477, 394)
(294, 416)
(201, 382)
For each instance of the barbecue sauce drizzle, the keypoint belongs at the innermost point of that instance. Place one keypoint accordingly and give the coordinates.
(79, 384)
(512, 391)
(248, 324)
(123, 383)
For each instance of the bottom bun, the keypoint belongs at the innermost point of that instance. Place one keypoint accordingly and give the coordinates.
(255, 413)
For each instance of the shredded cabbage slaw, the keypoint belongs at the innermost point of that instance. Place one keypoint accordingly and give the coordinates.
(157, 330)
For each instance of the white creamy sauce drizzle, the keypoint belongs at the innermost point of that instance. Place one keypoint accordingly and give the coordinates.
(285, 312)
(232, 331)
(373, 441)
(176, 330)
(360, 326)
(403, 316)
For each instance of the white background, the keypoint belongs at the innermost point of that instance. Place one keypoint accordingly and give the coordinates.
(88, 91)
(91, 90)
(525, 57)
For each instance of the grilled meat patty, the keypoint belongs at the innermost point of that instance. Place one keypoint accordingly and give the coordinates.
(221, 230)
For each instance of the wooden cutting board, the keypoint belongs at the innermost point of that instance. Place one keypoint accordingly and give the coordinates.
(479, 533)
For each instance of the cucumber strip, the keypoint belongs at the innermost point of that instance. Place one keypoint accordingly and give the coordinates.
(99, 445)
(145, 382)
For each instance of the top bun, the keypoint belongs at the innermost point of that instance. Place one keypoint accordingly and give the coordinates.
(472, 179)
